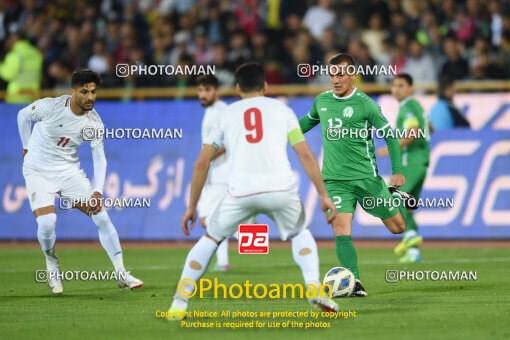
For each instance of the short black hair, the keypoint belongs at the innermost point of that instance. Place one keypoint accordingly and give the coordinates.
(407, 77)
(444, 83)
(250, 76)
(208, 79)
(342, 58)
(82, 76)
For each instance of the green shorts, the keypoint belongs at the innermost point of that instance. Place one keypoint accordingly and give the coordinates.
(368, 191)
(415, 177)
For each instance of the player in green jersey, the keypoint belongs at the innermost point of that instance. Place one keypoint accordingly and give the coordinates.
(349, 168)
(415, 157)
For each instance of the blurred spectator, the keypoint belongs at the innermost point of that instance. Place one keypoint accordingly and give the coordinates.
(484, 68)
(322, 78)
(398, 24)
(420, 64)
(300, 55)
(347, 30)
(203, 52)
(61, 74)
(399, 59)
(453, 65)
(444, 114)
(246, 13)
(463, 27)
(263, 51)
(99, 61)
(319, 17)
(239, 51)
(22, 69)
(496, 22)
(375, 34)
(223, 70)
(503, 55)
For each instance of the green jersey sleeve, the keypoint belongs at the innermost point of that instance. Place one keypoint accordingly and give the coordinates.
(376, 118)
(310, 120)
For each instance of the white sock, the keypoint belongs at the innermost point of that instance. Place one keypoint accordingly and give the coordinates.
(304, 250)
(411, 233)
(196, 264)
(413, 252)
(109, 239)
(222, 253)
(46, 236)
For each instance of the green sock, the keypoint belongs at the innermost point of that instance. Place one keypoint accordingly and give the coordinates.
(411, 225)
(346, 254)
(401, 207)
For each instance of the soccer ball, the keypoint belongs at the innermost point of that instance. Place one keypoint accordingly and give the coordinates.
(341, 281)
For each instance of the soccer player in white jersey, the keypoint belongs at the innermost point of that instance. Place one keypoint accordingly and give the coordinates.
(216, 183)
(51, 165)
(255, 132)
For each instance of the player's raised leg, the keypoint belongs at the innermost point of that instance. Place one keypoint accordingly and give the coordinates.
(77, 186)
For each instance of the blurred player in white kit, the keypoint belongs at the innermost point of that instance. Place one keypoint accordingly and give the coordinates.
(255, 132)
(216, 183)
(51, 165)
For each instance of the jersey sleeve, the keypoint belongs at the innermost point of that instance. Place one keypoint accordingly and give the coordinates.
(309, 121)
(39, 110)
(294, 133)
(97, 143)
(214, 136)
(376, 118)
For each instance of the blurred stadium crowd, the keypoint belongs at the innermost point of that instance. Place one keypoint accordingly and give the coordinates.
(428, 39)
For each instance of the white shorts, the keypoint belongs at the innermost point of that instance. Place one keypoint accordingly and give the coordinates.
(211, 196)
(284, 208)
(42, 186)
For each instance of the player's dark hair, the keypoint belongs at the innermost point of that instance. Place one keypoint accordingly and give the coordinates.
(250, 76)
(342, 58)
(444, 83)
(82, 76)
(407, 77)
(208, 79)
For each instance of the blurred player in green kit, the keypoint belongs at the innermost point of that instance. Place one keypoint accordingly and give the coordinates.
(346, 116)
(415, 157)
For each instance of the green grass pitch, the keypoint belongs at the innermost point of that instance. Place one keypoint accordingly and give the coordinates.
(98, 309)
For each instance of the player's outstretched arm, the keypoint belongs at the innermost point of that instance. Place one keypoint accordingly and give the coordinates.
(24, 128)
(307, 159)
(200, 170)
(397, 179)
(377, 119)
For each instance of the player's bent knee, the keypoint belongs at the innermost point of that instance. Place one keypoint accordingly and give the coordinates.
(46, 224)
(212, 238)
(398, 227)
(202, 222)
(101, 218)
